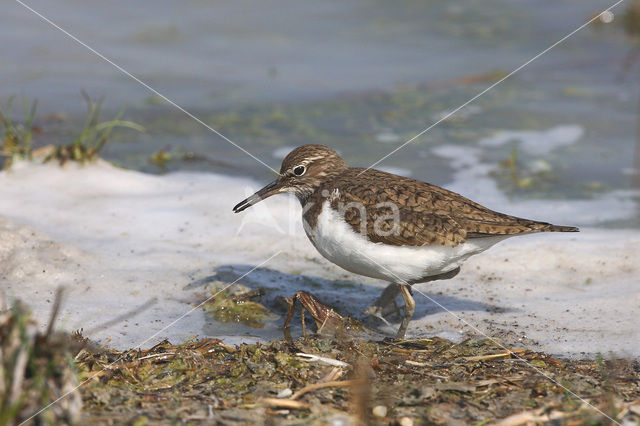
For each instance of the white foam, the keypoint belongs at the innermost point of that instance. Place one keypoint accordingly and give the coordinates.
(562, 293)
(118, 239)
(397, 171)
(471, 179)
(537, 142)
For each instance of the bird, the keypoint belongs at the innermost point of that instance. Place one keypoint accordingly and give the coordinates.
(386, 226)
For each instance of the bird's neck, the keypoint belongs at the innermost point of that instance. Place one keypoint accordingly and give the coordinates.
(315, 191)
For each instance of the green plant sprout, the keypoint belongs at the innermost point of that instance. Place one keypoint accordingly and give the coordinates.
(94, 135)
(17, 138)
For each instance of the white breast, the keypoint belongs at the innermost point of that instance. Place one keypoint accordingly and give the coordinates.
(337, 241)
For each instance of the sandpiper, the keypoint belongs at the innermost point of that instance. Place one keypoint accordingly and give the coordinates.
(386, 226)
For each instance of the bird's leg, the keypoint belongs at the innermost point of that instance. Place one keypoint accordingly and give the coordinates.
(409, 308)
(387, 297)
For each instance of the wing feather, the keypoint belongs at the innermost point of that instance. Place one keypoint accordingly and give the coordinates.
(403, 211)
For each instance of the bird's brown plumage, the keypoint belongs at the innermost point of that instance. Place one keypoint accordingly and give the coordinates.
(428, 214)
(391, 210)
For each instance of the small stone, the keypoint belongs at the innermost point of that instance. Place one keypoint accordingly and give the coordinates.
(405, 421)
(284, 393)
(379, 411)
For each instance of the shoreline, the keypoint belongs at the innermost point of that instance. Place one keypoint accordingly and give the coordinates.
(125, 238)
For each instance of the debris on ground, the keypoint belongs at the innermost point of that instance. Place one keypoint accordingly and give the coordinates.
(422, 380)
(324, 316)
(37, 368)
(320, 378)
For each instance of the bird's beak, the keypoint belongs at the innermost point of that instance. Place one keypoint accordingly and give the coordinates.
(274, 187)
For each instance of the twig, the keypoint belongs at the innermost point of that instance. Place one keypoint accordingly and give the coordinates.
(4, 306)
(325, 321)
(332, 375)
(284, 403)
(341, 384)
(527, 417)
(157, 355)
(54, 312)
(496, 356)
(304, 326)
(322, 359)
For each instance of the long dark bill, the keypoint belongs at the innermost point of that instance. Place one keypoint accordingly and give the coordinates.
(269, 190)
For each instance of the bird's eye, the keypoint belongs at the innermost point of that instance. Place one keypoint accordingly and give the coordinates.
(299, 171)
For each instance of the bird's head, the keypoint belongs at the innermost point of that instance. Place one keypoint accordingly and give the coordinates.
(302, 171)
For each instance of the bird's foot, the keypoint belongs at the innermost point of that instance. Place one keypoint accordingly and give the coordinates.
(377, 312)
(386, 304)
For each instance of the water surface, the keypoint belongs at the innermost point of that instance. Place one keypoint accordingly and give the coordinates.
(362, 77)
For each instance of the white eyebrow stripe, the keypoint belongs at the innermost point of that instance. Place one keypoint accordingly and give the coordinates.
(310, 159)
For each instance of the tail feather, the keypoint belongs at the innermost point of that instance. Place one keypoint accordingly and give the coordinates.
(560, 228)
(521, 227)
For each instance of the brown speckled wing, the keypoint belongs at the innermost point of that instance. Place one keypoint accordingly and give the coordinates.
(427, 214)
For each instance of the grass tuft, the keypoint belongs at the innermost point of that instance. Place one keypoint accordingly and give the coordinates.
(35, 369)
(93, 137)
(17, 138)
(17, 142)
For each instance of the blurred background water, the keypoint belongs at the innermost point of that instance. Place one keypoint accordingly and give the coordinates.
(360, 76)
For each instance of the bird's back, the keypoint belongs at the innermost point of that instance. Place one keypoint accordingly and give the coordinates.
(427, 214)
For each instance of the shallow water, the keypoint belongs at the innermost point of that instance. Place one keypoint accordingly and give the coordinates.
(360, 76)
(555, 142)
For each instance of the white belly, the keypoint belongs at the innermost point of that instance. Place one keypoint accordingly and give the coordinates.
(337, 241)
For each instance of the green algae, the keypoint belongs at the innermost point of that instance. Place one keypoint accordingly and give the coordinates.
(235, 306)
(539, 178)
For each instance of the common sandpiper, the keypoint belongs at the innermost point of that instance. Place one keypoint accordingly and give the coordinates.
(388, 227)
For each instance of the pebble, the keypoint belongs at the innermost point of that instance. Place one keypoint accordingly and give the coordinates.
(379, 411)
(284, 393)
(405, 421)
